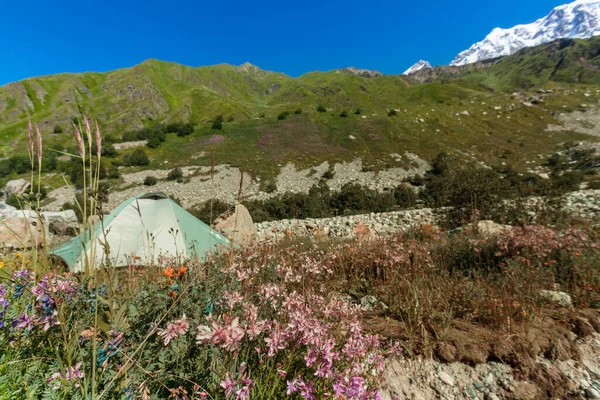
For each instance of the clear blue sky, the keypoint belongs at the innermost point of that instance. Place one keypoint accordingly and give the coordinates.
(40, 37)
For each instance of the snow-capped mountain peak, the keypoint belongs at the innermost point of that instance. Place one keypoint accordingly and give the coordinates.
(421, 64)
(579, 20)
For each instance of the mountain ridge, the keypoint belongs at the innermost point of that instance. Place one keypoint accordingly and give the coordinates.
(577, 20)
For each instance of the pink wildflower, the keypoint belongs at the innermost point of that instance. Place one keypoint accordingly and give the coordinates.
(229, 385)
(174, 330)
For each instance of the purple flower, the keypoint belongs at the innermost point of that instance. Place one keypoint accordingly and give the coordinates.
(294, 386)
(24, 322)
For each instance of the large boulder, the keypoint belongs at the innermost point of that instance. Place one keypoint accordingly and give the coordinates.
(7, 210)
(490, 228)
(19, 232)
(61, 223)
(17, 186)
(238, 227)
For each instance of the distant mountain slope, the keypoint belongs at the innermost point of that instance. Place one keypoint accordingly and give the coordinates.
(336, 116)
(577, 20)
(562, 61)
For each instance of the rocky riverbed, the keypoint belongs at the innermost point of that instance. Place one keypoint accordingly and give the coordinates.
(198, 186)
(584, 204)
(429, 379)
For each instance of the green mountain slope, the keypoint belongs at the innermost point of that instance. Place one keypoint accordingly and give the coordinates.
(470, 109)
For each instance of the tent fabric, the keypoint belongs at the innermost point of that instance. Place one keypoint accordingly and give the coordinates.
(143, 228)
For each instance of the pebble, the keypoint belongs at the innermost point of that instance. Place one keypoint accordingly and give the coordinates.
(446, 378)
(592, 393)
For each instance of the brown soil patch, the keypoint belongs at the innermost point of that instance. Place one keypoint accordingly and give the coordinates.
(552, 335)
(293, 136)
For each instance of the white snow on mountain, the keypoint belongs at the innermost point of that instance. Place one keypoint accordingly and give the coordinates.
(421, 64)
(578, 20)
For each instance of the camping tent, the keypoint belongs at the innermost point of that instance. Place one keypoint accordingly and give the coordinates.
(141, 228)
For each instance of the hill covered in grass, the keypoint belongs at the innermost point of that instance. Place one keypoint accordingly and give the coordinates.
(270, 119)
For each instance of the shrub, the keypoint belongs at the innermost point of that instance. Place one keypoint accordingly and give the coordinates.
(298, 111)
(203, 212)
(321, 108)
(231, 118)
(176, 174)
(218, 123)
(283, 115)
(595, 185)
(344, 114)
(358, 111)
(181, 129)
(150, 180)
(136, 158)
(58, 129)
(329, 174)
(392, 113)
(271, 187)
(113, 172)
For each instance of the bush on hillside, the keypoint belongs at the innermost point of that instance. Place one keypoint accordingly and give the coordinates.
(283, 115)
(321, 202)
(392, 113)
(180, 128)
(176, 174)
(58, 129)
(155, 134)
(150, 180)
(218, 123)
(321, 108)
(113, 171)
(207, 212)
(298, 111)
(344, 114)
(358, 111)
(137, 158)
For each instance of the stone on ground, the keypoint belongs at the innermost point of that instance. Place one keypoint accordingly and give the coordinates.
(238, 227)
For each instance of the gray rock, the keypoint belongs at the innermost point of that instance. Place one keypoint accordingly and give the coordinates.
(446, 378)
(491, 396)
(561, 298)
(368, 302)
(238, 226)
(62, 223)
(592, 393)
(17, 186)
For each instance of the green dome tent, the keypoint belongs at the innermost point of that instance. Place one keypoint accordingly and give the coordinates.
(143, 227)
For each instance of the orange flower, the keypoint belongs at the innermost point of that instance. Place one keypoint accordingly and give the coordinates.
(545, 263)
(553, 262)
(169, 272)
(173, 294)
(182, 271)
(351, 249)
(575, 267)
(137, 258)
(577, 254)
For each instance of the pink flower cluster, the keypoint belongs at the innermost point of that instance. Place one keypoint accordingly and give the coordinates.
(71, 374)
(174, 330)
(238, 388)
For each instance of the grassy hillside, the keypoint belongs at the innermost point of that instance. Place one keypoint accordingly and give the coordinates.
(469, 110)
